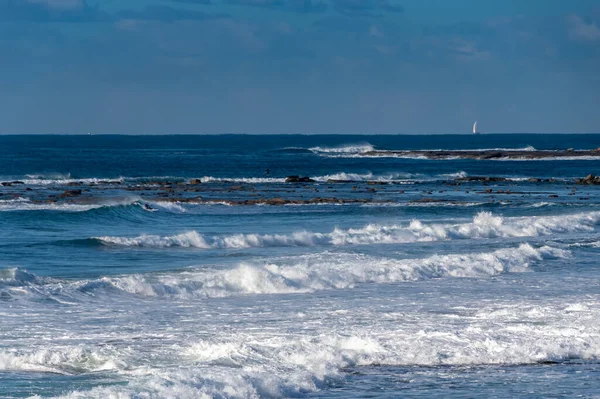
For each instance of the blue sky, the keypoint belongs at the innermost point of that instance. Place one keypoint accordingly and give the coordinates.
(299, 66)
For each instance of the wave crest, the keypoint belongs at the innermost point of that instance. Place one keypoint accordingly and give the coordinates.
(322, 271)
(344, 149)
(483, 225)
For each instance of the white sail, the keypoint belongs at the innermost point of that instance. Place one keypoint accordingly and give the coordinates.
(475, 127)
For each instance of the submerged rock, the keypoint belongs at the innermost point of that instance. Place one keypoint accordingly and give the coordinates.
(589, 179)
(482, 179)
(70, 193)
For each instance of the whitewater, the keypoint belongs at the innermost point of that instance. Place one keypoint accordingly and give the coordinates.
(194, 268)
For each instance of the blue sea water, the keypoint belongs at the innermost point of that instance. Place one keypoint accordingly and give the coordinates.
(407, 281)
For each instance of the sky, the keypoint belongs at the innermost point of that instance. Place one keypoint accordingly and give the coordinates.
(299, 66)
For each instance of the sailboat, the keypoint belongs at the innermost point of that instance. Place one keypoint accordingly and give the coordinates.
(475, 128)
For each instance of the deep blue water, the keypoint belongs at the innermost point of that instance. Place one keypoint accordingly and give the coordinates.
(406, 281)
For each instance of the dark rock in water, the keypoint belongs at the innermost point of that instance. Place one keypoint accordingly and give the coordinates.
(195, 181)
(589, 179)
(492, 155)
(377, 183)
(485, 154)
(70, 193)
(482, 179)
(275, 201)
(298, 179)
(74, 183)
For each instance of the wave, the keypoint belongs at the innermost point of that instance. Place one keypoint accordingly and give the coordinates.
(345, 149)
(299, 274)
(25, 204)
(67, 360)
(294, 150)
(394, 177)
(359, 150)
(363, 177)
(391, 177)
(280, 361)
(63, 179)
(483, 225)
(243, 365)
(66, 179)
(18, 277)
(247, 180)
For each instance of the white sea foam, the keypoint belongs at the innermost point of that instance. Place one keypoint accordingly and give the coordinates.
(483, 225)
(272, 364)
(346, 149)
(311, 343)
(19, 277)
(24, 204)
(174, 207)
(250, 368)
(19, 205)
(247, 180)
(299, 274)
(61, 360)
(391, 177)
(62, 179)
(321, 271)
(457, 175)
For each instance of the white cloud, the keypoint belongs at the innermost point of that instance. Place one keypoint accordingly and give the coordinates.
(581, 30)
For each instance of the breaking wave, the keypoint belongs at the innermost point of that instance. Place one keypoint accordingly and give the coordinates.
(346, 149)
(62, 179)
(247, 180)
(63, 360)
(25, 204)
(483, 225)
(300, 274)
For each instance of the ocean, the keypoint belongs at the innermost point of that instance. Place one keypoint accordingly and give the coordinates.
(188, 267)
